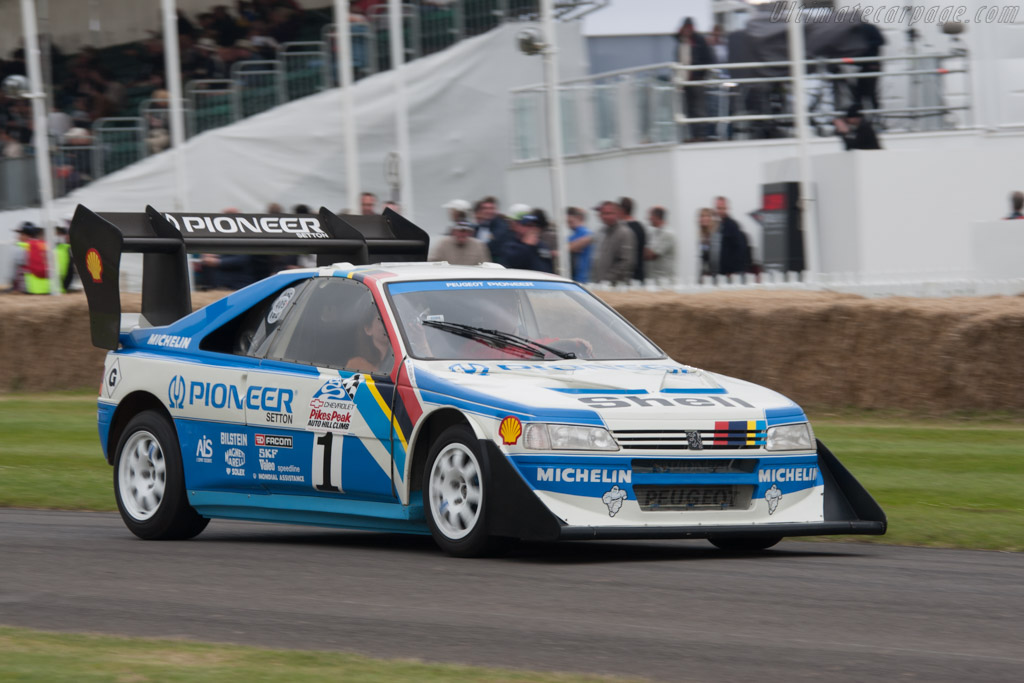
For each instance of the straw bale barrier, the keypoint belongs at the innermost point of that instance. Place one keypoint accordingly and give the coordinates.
(821, 349)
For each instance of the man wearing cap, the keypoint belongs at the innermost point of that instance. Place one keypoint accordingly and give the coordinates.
(856, 131)
(523, 250)
(615, 259)
(460, 248)
(456, 207)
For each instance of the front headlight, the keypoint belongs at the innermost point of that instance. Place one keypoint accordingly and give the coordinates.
(545, 437)
(790, 437)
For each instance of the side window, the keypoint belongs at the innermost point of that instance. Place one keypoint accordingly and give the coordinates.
(335, 324)
(249, 333)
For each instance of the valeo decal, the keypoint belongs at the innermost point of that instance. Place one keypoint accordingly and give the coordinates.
(510, 430)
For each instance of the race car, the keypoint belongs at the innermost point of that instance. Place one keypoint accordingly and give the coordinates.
(476, 404)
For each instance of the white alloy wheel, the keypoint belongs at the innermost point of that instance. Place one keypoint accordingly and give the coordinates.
(456, 491)
(142, 475)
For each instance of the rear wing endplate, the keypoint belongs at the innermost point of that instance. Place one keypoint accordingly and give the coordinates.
(165, 240)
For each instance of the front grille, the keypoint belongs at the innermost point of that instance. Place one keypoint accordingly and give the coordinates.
(685, 498)
(732, 435)
(694, 466)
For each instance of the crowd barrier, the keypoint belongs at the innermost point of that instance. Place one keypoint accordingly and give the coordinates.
(824, 350)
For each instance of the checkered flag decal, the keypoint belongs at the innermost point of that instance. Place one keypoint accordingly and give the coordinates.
(351, 384)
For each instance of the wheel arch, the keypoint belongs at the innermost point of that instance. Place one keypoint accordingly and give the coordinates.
(427, 431)
(130, 406)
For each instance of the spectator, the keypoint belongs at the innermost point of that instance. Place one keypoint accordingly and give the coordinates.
(707, 225)
(615, 258)
(460, 248)
(581, 243)
(1016, 204)
(730, 249)
(638, 231)
(225, 26)
(522, 249)
(548, 247)
(693, 50)
(12, 148)
(719, 45)
(856, 131)
(866, 88)
(58, 122)
(368, 204)
(394, 206)
(455, 208)
(660, 252)
(491, 226)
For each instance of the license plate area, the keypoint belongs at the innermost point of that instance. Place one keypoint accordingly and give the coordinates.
(684, 498)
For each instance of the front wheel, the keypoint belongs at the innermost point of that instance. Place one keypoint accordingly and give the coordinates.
(149, 483)
(453, 493)
(744, 543)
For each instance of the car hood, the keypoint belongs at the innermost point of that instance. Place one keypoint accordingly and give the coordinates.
(609, 392)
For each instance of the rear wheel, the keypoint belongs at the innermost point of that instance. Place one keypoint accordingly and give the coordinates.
(744, 543)
(453, 493)
(149, 483)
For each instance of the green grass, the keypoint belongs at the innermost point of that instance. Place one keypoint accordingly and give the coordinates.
(954, 482)
(37, 656)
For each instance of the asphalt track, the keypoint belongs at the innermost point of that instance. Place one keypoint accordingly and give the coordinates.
(663, 610)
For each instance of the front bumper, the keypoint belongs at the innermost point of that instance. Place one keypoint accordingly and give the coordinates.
(514, 509)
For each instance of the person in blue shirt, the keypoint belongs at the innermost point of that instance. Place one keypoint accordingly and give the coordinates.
(580, 243)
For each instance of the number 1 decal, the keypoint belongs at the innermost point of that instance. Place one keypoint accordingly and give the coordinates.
(327, 463)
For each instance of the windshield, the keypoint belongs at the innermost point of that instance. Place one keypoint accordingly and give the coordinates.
(506, 319)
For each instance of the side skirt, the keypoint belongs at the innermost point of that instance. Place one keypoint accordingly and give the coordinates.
(311, 510)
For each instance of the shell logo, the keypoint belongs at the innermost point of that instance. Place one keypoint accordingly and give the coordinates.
(510, 430)
(94, 264)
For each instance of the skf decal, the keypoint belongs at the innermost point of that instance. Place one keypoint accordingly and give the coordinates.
(613, 499)
(510, 430)
(94, 264)
(773, 496)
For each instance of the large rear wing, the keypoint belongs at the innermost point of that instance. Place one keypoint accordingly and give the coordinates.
(165, 239)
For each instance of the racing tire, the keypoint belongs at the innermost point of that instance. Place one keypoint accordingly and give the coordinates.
(149, 481)
(744, 544)
(454, 485)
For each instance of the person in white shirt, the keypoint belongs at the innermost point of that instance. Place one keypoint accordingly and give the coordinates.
(660, 250)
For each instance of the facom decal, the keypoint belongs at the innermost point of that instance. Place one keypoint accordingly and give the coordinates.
(280, 303)
(510, 430)
(584, 475)
(176, 392)
(662, 402)
(613, 499)
(273, 440)
(784, 474)
(302, 227)
(94, 264)
(113, 378)
(773, 496)
(170, 341)
(204, 450)
(331, 406)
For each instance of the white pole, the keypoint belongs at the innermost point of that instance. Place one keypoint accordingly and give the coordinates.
(795, 31)
(172, 71)
(554, 125)
(343, 38)
(397, 39)
(40, 137)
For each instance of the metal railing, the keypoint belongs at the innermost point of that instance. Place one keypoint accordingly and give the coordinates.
(300, 69)
(657, 105)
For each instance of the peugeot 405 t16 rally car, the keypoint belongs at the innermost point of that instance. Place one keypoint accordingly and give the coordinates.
(471, 403)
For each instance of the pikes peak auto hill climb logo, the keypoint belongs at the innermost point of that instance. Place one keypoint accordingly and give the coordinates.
(332, 405)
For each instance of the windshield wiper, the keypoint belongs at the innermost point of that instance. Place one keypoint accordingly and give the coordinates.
(498, 338)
